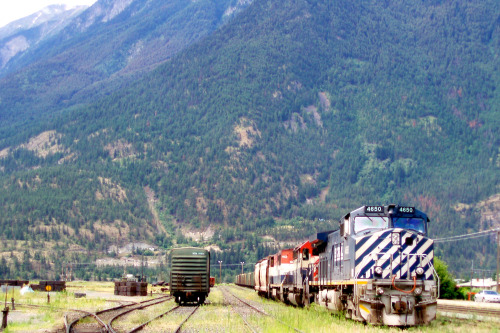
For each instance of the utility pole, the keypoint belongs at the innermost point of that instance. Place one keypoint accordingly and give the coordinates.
(471, 274)
(242, 263)
(142, 268)
(220, 271)
(498, 262)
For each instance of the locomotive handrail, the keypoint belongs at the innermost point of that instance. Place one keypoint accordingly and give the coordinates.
(439, 280)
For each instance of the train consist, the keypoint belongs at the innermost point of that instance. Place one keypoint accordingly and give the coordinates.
(190, 275)
(376, 268)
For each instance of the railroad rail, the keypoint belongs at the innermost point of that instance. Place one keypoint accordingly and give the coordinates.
(250, 327)
(141, 326)
(104, 318)
(140, 307)
(101, 324)
(260, 311)
(469, 310)
(177, 308)
(178, 329)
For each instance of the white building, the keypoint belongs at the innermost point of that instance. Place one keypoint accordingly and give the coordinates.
(488, 284)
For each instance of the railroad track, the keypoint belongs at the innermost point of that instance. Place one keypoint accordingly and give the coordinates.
(186, 310)
(225, 291)
(141, 326)
(115, 317)
(101, 321)
(72, 315)
(182, 309)
(469, 310)
(236, 305)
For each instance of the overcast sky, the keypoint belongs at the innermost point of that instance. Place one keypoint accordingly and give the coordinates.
(11, 10)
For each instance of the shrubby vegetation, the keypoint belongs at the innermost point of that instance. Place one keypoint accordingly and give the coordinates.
(447, 288)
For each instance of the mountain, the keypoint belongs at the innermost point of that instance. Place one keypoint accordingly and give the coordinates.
(272, 127)
(101, 49)
(19, 36)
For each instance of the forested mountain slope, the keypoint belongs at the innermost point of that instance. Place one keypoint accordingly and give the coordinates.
(277, 124)
(99, 51)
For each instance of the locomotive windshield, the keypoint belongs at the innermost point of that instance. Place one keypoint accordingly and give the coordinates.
(370, 222)
(413, 223)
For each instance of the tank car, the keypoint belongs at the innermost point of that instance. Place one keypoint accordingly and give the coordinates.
(190, 275)
(261, 277)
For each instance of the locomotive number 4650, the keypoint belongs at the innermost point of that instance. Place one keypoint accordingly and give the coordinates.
(409, 210)
(374, 209)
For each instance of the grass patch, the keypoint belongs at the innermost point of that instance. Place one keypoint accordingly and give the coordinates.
(317, 319)
(50, 315)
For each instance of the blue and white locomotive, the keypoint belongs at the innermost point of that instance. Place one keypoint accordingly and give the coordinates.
(378, 267)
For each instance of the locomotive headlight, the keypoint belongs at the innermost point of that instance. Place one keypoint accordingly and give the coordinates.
(378, 270)
(380, 291)
(419, 271)
(418, 291)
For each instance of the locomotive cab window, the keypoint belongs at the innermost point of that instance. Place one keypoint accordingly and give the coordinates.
(412, 223)
(305, 254)
(362, 223)
(347, 227)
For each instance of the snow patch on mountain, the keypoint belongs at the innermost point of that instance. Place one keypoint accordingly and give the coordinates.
(18, 36)
(11, 48)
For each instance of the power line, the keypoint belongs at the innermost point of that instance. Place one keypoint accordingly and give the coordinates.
(467, 236)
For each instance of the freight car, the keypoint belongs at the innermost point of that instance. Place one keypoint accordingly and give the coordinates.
(376, 268)
(190, 275)
(245, 280)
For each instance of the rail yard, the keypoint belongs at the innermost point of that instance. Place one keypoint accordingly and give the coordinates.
(228, 308)
(374, 273)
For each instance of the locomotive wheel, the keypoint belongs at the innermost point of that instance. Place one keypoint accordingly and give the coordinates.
(306, 299)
